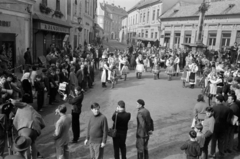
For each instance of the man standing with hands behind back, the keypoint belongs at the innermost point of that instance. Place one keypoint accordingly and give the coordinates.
(144, 130)
(97, 132)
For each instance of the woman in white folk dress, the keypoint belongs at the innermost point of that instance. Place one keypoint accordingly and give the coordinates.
(105, 73)
(140, 66)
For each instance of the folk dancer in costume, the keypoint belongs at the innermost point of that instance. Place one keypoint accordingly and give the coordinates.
(125, 69)
(139, 67)
(185, 76)
(176, 65)
(105, 73)
(193, 68)
(170, 68)
(121, 63)
(113, 75)
(146, 62)
(156, 67)
(212, 78)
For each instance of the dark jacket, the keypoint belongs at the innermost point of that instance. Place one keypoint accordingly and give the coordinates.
(222, 115)
(122, 121)
(27, 57)
(144, 123)
(77, 103)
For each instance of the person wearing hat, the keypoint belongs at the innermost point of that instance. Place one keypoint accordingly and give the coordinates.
(21, 145)
(199, 110)
(222, 116)
(28, 122)
(192, 147)
(144, 129)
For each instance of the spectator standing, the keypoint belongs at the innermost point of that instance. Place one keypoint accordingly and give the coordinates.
(27, 57)
(97, 132)
(27, 87)
(191, 147)
(73, 81)
(144, 129)
(76, 111)
(121, 119)
(39, 87)
(231, 128)
(222, 120)
(199, 110)
(61, 133)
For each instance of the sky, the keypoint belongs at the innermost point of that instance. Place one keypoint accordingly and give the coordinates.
(124, 3)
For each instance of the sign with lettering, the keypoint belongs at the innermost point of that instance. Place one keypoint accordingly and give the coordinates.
(5, 23)
(54, 28)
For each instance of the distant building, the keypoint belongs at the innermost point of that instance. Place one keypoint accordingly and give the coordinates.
(110, 18)
(221, 26)
(15, 30)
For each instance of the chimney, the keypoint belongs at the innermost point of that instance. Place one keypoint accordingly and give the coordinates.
(119, 6)
(124, 8)
(112, 4)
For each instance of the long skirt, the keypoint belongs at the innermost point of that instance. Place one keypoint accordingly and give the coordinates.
(192, 78)
(170, 70)
(125, 70)
(140, 68)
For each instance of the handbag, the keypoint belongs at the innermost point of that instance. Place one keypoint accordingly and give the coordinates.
(112, 132)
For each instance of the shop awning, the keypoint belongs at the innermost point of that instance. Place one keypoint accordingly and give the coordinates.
(51, 20)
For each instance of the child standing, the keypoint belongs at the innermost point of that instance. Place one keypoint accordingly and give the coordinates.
(125, 69)
(39, 86)
(191, 147)
(113, 75)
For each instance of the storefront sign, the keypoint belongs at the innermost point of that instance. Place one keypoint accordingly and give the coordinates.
(53, 28)
(5, 23)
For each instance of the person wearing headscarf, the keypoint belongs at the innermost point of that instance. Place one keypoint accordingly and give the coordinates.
(170, 68)
(105, 73)
(27, 87)
(193, 68)
(140, 67)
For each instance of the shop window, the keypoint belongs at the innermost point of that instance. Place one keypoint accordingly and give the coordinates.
(58, 5)
(212, 39)
(238, 37)
(146, 34)
(44, 2)
(152, 35)
(153, 17)
(226, 37)
(187, 38)
(142, 33)
(167, 39)
(158, 13)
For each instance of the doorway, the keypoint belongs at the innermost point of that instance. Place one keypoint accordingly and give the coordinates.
(7, 50)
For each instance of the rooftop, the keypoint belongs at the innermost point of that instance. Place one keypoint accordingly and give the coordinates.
(111, 8)
(227, 7)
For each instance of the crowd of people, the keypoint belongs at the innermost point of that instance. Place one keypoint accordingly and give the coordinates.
(68, 73)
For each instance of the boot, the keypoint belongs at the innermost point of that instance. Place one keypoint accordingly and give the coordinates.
(140, 75)
(137, 75)
(158, 76)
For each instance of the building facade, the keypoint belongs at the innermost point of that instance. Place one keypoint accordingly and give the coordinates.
(143, 20)
(124, 31)
(221, 25)
(50, 25)
(89, 20)
(110, 18)
(75, 17)
(15, 30)
(104, 20)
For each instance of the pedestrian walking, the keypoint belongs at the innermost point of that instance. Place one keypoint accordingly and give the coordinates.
(144, 130)
(97, 132)
(27, 58)
(76, 111)
(120, 119)
(61, 133)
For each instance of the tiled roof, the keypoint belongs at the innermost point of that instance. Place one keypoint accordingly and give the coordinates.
(114, 9)
(148, 2)
(215, 8)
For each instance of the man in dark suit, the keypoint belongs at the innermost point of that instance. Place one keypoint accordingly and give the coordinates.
(144, 129)
(120, 119)
(222, 115)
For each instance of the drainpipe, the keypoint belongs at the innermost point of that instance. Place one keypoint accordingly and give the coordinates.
(29, 10)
